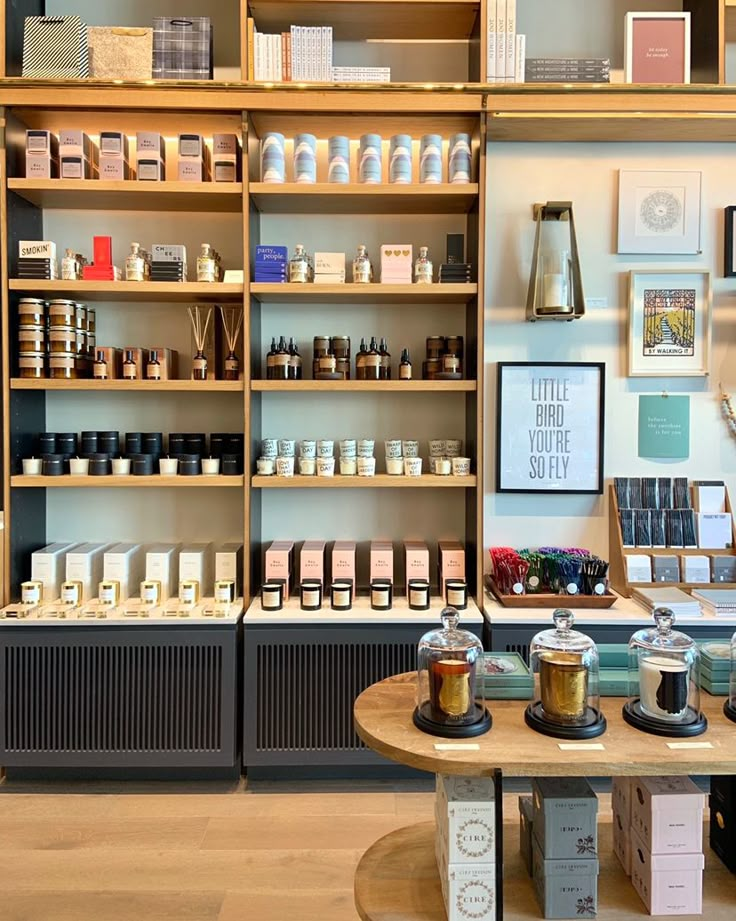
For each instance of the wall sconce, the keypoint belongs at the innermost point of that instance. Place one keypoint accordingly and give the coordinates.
(556, 284)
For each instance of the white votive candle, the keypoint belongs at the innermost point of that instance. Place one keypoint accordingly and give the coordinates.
(121, 466)
(78, 466)
(210, 466)
(32, 466)
(168, 466)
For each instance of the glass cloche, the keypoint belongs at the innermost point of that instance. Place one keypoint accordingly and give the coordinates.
(729, 708)
(666, 665)
(566, 671)
(447, 660)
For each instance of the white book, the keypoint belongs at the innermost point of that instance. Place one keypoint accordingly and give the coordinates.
(278, 70)
(327, 75)
(492, 27)
(309, 52)
(510, 41)
(316, 51)
(295, 75)
(257, 56)
(501, 42)
(520, 63)
(715, 530)
(266, 57)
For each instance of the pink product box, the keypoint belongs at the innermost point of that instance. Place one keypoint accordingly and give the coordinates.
(451, 562)
(416, 555)
(279, 563)
(622, 842)
(312, 561)
(668, 884)
(114, 168)
(41, 166)
(621, 797)
(667, 814)
(382, 560)
(343, 560)
(75, 143)
(396, 263)
(192, 170)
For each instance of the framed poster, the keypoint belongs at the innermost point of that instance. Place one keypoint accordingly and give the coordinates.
(549, 427)
(657, 48)
(659, 211)
(729, 258)
(669, 323)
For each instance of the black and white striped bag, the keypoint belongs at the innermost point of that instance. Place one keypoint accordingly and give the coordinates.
(55, 46)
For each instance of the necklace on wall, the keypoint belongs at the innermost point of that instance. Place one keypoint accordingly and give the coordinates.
(729, 414)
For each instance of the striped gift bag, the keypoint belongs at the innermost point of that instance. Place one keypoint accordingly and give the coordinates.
(182, 48)
(55, 46)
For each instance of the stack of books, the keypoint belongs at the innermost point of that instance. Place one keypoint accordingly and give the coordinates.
(37, 259)
(271, 265)
(506, 49)
(715, 666)
(567, 70)
(680, 603)
(168, 262)
(719, 602)
(456, 273)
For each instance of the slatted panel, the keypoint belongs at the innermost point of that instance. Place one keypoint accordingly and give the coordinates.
(521, 648)
(147, 698)
(305, 692)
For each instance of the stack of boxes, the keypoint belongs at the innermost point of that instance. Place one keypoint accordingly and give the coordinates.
(37, 259)
(42, 154)
(168, 262)
(226, 159)
(102, 268)
(194, 159)
(150, 152)
(465, 847)
(77, 155)
(329, 268)
(396, 264)
(667, 844)
(271, 265)
(416, 555)
(114, 158)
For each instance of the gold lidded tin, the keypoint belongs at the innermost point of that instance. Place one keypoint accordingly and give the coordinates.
(436, 347)
(71, 593)
(189, 591)
(31, 339)
(62, 313)
(62, 339)
(108, 591)
(31, 311)
(31, 592)
(91, 319)
(150, 591)
(32, 365)
(63, 366)
(224, 591)
(80, 317)
(563, 681)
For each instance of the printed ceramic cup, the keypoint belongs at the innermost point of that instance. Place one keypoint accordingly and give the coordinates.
(366, 466)
(366, 447)
(266, 466)
(454, 447)
(394, 466)
(437, 447)
(273, 157)
(461, 466)
(338, 159)
(285, 466)
(369, 158)
(442, 466)
(459, 158)
(307, 466)
(412, 466)
(269, 448)
(348, 447)
(210, 466)
(305, 158)
(325, 449)
(399, 168)
(411, 448)
(307, 448)
(287, 447)
(430, 158)
(348, 466)
(325, 466)
(393, 448)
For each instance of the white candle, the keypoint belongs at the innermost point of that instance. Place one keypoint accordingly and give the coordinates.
(168, 466)
(554, 290)
(78, 466)
(663, 686)
(210, 466)
(121, 466)
(32, 466)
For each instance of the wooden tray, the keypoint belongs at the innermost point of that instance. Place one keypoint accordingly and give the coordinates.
(551, 601)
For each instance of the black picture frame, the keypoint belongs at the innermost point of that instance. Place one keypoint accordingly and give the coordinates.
(729, 263)
(597, 403)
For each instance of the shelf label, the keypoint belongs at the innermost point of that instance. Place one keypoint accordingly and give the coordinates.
(581, 747)
(678, 746)
(456, 747)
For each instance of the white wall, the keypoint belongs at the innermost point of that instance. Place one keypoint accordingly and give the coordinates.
(518, 176)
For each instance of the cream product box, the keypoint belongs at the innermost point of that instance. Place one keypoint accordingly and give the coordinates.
(466, 819)
(695, 569)
(192, 145)
(36, 249)
(329, 265)
(48, 566)
(416, 558)
(565, 817)
(42, 154)
(280, 563)
(150, 170)
(566, 888)
(312, 561)
(39, 141)
(668, 884)
(382, 560)
(225, 158)
(526, 832)
(196, 565)
(451, 562)
(76, 143)
(125, 564)
(114, 168)
(150, 145)
(85, 564)
(621, 797)
(622, 841)
(667, 814)
(162, 566)
(41, 166)
(191, 170)
(343, 560)
(113, 144)
(470, 893)
(229, 566)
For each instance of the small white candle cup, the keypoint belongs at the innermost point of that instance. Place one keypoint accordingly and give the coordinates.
(269, 448)
(412, 466)
(461, 466)
(348, 466)
(121, 466)
(348, 447)
(79, 466)
(393, 448)
(284, 466)
(307, 466)
(366, 466)
(394, 466)
(410, 448)
(168, 466)
(266, 466)
(325, 466)
(210, 466)
(454, 447)
(287, 447)
(366, 447)
(308, 449)
(437, 447)
(325, 448)
(442, 466)
(32, 466)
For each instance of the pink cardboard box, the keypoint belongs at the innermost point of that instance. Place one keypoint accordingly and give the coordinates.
(382, 560)
(451, 562)
(621, 798)
(667, 814)
(668, 884)
(343, 560)
(622, 841)
(312, 561)
(416, 555)
(279, 559)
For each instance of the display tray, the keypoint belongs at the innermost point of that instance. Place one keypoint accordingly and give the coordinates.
(551, 601)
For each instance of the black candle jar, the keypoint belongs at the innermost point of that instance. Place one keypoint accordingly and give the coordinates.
(218, 441)
(89, 443)
(310, 594)
(176, 443)
(456, 593)
(272, 595)
(52, 464)
(195, 443)
(99, 464)
(418, 595)
(108, 443)
(231, 465)
(341, 595)
(141, 464)
(66, 443)
(189, 464)
(47, 443)
(153, 443)
(134, 443)
(235, 443)
(382, 595)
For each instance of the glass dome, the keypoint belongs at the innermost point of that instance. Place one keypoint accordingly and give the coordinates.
(566, 671)
(666, 666)
(447, 660)
(729, 708)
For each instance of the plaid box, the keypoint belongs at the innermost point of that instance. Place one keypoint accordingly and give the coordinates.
(182, 48)
(55, 46)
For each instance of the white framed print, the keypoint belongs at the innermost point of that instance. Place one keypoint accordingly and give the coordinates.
(659, 212)
(657, 48)
(669, 322)
(549, 427)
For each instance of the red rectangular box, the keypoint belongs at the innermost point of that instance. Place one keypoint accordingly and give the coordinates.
(102, 249)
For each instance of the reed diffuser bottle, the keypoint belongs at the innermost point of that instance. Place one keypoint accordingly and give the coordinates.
(232, 322)
(201, 318)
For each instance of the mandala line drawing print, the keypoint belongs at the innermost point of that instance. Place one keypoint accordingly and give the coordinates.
(661, 211)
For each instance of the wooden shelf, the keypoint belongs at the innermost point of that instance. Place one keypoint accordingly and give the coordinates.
(331, 198)
(183, 292)
(130, 195)
(92, 386)
(364, 386)
(363, 294)
(379, 481)
(358, 20)
(135, 482)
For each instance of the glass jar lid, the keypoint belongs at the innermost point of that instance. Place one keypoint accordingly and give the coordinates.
(563, 637)
(450, 638)
(661, 636)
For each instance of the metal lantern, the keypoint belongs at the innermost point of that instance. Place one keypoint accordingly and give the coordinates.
(555, 284)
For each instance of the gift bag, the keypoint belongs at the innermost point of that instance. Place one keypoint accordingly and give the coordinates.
(182, 48)
(55, 46)
(120, 53)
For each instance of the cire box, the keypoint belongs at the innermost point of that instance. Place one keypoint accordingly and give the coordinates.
(84, 564)
(667, 814)
(468, 890)
(280, 564)
(466, 819)
(195, 565)
(124, 564)
(565, 888)
(48, 566)
(312, 561)
(343, 561)
(382, 560)
(526, 832)
(416, 557)
(668, 884)
(622, 841)
(161, 566)
(229, 565)
(565, 817)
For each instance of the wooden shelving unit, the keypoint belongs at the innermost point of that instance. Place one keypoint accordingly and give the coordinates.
(379, 481)
(364, 386)
(184, 292)
(330, 198)
(126, 482)
(363, 294)
(91, 386)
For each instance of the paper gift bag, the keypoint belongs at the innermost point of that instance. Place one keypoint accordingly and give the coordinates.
(55, 46)
(120, 53)
(182, 48)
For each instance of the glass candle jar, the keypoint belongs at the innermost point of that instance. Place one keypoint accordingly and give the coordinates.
(62, 313)
(31, 340)
(63, 366)
(382, 595)
(31, 312)
(341, 595)
(189, 591)
(62, 339)
(418, 595)
(310, 595)
(31, 592)
(272, 595)
(32, 365)
(456, 593)
(150, 591)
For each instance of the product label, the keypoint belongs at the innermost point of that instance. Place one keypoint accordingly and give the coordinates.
(30, 593)
(37, 143)
(271, 600)
(188, 593)
(111, 144)
(405, 372)
(232, 364)
(107, 594)
(149, 593)
(417, 596)
(129, 372)
(153, 372)
(206, 270)
(311, 597)
(281, 361)
(455, 596)
(341, 596)
(222, 593)
(70, 594)
(373, 361)
(199, 364)
(189, 146)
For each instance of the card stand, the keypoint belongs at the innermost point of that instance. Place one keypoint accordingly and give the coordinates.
(544, 600)
(618, 574)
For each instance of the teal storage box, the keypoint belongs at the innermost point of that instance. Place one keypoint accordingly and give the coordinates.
(565, 818)
(613, 655)
(565, 888)
(614, 682)
(504, 675)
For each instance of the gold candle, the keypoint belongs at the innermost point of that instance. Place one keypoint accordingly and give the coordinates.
(450, 688)
(563, 680)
